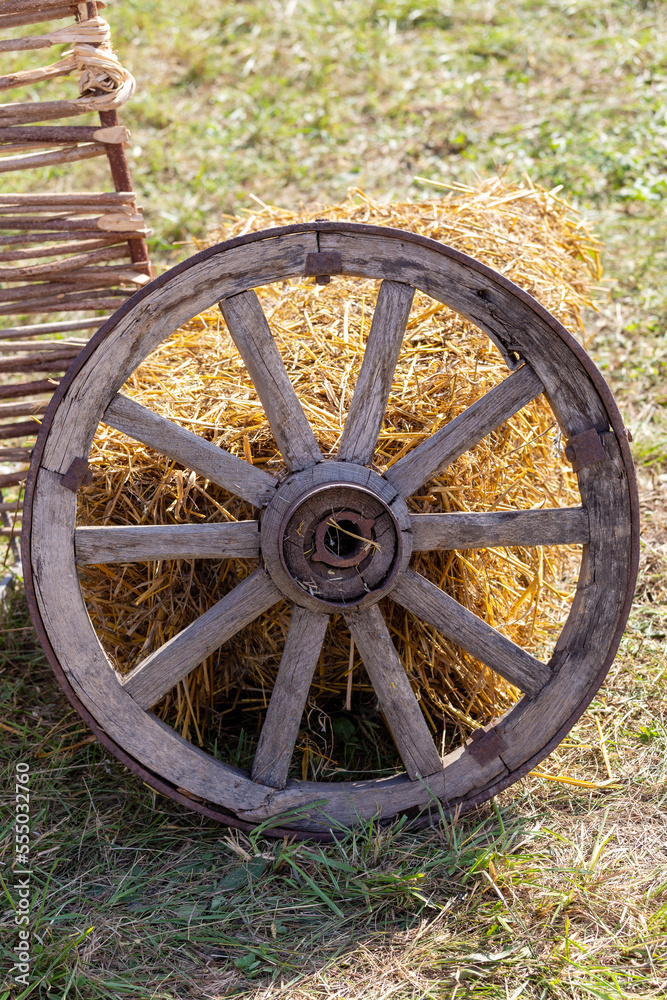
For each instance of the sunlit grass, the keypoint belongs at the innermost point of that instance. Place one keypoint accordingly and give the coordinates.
(555, 891)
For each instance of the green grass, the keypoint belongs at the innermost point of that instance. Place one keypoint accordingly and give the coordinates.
(553, 891)
(297, 100)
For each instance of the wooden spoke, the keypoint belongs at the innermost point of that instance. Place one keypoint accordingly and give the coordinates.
(473, 530)
(158, 673)
(288, 700)
(250, 332)
(146, 542)
(397, 699)
(461, 626)
(463, 433)
(371, 394)
(190, 450)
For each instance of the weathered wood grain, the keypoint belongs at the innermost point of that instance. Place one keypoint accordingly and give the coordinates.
(250, 332)
(45, 290)
(25, 224)
(43, 211)
(23, 409)
(461, 626)
(36, 330)
(64, 288)
(464, 431)
(38, 218)
(77, 279)
(61, 303)
(84, 215)
(44, 6)
(371, 393)
(70, 154)
(26, 428)
(25, 389)
(61, 222)
(161, 749)
(49, 361)
(122, 223)
(158, 673)
(26, 43)
(27, 239)
(145, 542)
(156, 315)
(63, 133)
(96, 243)
(12, 346)
(112, 134)
(15, 454)
(288, 699)
(20, 272)
(13, 478)
(166, 437)
(34, 17)
(12, 148)
(38, 111)
(392, 687)
(476, 530)
(67, 199)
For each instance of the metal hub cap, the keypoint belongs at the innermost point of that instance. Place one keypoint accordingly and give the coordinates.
(335, 535)
(339, 542)
(344, 538)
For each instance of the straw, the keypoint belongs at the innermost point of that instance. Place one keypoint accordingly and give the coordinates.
(197, 379)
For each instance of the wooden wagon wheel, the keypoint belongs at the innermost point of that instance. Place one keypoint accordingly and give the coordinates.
(333, 515)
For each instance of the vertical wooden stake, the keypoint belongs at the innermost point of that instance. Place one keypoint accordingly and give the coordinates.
(350, 668)
(120, 172)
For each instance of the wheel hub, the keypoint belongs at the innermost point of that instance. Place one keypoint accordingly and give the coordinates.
(335, 535)
(344, 538)
(339, 542)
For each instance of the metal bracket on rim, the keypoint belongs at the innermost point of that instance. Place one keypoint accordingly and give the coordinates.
(485, 745)
(585, 449)
(323, 264)
(78, 475)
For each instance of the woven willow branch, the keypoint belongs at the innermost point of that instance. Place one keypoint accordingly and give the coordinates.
(92, 57)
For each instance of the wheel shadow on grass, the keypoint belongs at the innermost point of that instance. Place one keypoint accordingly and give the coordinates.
(132, 895)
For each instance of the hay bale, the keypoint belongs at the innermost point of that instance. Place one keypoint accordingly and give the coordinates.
(197, 379)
